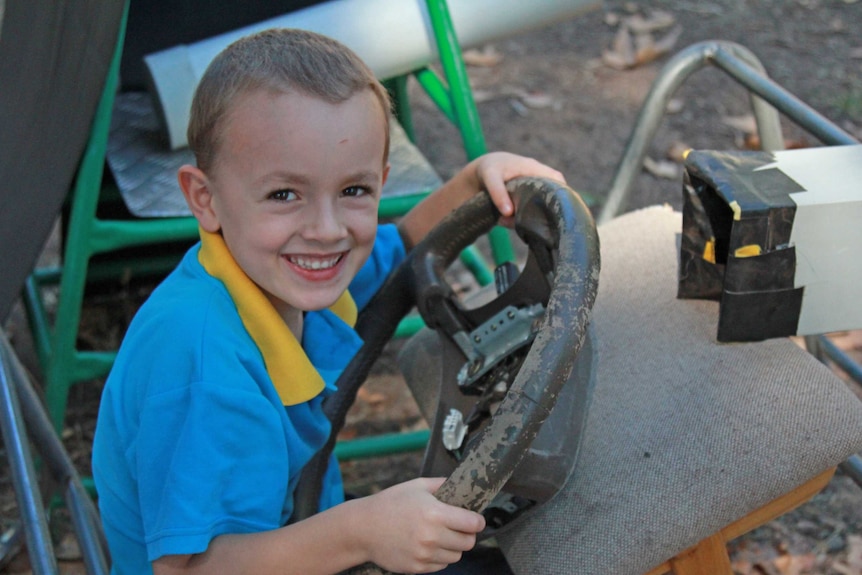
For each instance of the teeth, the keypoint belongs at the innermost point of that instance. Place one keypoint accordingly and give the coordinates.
(314, 264)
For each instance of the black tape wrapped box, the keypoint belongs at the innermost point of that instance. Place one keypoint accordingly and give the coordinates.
(775, 238)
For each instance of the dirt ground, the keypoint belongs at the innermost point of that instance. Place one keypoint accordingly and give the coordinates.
(568, 95)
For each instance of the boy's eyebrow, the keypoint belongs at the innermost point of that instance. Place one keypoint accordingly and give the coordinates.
(364, 175)
(301, 179)
(282, 176)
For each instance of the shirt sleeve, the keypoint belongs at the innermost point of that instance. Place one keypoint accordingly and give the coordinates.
(388, 252)
(209, 461)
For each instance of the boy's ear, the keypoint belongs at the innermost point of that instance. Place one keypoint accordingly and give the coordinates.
(385, 174)
(195, 187)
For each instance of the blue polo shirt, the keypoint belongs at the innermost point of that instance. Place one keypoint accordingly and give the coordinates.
(192, 440)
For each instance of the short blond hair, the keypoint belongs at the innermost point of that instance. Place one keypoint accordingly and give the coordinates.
(278, 60)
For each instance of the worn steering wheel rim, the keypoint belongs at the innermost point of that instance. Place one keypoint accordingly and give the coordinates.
(546, 213)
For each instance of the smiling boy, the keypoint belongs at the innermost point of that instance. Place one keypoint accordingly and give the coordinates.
(214, 404)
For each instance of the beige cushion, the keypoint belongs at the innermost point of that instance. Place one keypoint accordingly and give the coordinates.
(684, 435)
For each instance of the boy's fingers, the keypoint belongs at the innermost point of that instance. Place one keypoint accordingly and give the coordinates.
(431, 484)
(500, 195)
(464, 520)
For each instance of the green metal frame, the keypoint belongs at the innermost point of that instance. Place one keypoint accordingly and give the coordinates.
(88, 235)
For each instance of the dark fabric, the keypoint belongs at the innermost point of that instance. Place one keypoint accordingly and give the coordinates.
(156, 25)
(53, 61)
(482, 560)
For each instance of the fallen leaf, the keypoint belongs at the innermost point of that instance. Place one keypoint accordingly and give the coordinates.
(655, 22)
(537, 100)
(612, 18)
(480, 95)
(854, 552)
(67, 549)
(622, 53)
(766, 568)
(844, 569)
(752, 142)
(794, 564)
(745, 123)
(661, 169)
(674, 106)
(370, 397)
(486, 57)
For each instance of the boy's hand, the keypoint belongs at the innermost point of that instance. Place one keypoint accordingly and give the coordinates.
(495, 169)
(407, 530)
(489, 172)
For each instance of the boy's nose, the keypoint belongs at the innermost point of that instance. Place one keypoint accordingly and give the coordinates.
(325, 223)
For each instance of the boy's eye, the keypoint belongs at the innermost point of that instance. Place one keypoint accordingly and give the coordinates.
(282, 195)
(355, 191)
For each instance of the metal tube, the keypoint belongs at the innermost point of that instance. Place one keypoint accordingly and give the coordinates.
(827, 349)
(41, 432)
(379, 445)
(670, 78)
(853, 468)
(87, 529)
(24, 477)
(785, 102)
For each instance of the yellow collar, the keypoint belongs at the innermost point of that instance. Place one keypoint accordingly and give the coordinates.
(294, 377)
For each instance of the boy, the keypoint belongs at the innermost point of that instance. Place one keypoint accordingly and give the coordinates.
(214, 403)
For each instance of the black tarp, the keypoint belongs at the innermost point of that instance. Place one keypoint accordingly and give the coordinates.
(53, 60)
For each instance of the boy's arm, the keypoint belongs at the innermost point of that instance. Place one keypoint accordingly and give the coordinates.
(489, 172)
(402, 529)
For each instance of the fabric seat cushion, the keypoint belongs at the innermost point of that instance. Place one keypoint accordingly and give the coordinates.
(685, 435)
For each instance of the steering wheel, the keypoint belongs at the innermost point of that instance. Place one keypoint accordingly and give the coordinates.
(561, 276)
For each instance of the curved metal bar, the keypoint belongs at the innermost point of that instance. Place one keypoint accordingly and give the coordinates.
(676, 71)
(767, 97)
(25, 417)
(24, 478)
(785, 102)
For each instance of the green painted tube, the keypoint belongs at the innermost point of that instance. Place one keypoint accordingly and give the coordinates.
(380, 445)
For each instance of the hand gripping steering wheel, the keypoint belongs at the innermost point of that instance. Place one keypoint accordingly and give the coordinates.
(513, 381)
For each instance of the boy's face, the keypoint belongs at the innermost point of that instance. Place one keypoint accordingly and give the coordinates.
(295, 190)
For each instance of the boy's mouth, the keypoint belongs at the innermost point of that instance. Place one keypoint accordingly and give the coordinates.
(315, 263)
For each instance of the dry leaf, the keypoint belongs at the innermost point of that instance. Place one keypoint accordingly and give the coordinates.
(622, 52)
(612, 18)
(854, 552)
(534, 99)
(766, 568)
(745, 123)
(651, 50)
(370, 397)
(655, 22)
(752, 142)
(661, 169)
(844, 569)
(487, 57)
(67, 549)
(794, 564)
(674, 106)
